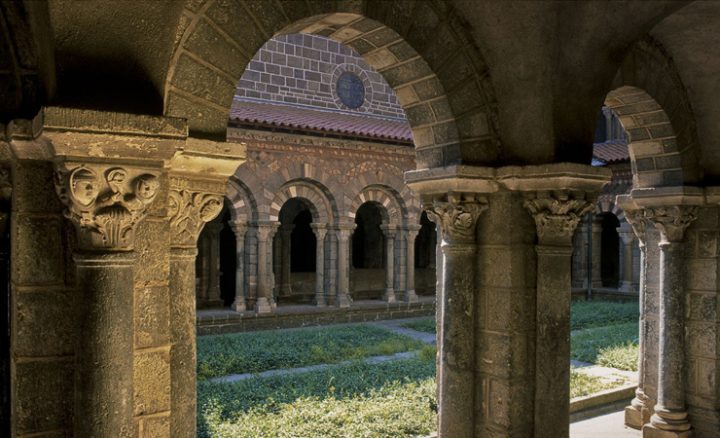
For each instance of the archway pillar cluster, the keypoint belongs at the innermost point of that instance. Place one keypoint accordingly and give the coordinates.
(673, 396)
(135, 192)
(504, 297)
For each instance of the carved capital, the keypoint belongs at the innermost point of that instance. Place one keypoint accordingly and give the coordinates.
(320, 230)
(636, 219)
(557, 214)
(389, 231)
(344, 232)
(412, 231)
(189, 210)
(240, 229)
(671, 221)
(457, 216)
(105, 203)
(267, 230)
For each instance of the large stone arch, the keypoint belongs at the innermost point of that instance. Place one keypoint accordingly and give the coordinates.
(392, 207)
(320, 202)
(244, 206)
(652, 105)
(440, 79)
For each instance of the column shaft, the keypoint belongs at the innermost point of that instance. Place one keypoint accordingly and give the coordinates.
(104, 357)
(389, 294)
(239, 303)
(320, 232)
(183, 360)
(596, 262)
(285, 288)
(343, 282)
(213, 291)
(264, 288)
(410, 235)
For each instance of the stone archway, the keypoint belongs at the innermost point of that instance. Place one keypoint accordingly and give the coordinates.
(432, 84)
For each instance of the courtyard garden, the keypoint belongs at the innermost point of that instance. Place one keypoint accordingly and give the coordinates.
(362, 380)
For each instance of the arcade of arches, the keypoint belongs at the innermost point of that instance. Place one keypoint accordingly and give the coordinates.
(116, 153)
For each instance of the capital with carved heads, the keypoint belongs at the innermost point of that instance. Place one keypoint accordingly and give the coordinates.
(557, 214)
(105, 203)
(457, 215)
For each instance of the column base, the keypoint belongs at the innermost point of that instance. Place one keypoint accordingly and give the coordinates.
(320, 301)
(238, 307)
(285, 290)
(343, 300)
(636, 418)
(411, 296)
(262, 305)
(389, 296)
(650, 431)
(625, 286)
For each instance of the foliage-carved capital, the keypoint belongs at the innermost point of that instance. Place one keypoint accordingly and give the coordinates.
(557, 214)
(636, 219)
(672, 221)
(105, 203)
(189, 210)
(456, 215)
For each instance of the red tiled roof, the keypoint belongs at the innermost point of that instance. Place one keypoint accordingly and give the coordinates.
(611, 151)
(305, 119)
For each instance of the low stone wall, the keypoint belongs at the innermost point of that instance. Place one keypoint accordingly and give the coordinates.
(213, 322)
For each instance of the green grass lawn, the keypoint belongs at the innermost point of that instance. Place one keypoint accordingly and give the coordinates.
(387, 400)
(260, 351)
(426, 325)
(614, 346)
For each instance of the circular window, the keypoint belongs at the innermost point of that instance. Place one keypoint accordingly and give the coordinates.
(351, 90)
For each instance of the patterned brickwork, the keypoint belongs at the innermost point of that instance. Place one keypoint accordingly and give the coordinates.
(303, 70)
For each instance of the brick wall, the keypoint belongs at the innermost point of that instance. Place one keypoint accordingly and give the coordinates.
(303, 70)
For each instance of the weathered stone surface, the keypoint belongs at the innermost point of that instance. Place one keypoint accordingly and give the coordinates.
(151, 381)
(152, 317)
(37, 236)
(45, 323)
(46, 402)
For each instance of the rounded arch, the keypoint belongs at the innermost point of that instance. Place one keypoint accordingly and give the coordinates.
(607, 205)
(319, 201)
(392, 207)
(244, 207)
(201, 82)
(651, 103)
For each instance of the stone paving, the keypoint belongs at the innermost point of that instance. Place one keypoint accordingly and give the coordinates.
(604, 426)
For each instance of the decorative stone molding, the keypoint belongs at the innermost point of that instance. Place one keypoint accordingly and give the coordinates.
(672, 221)
(557, 214)
(457, 215)
(105, 203)
(636, 219)
(189, 210)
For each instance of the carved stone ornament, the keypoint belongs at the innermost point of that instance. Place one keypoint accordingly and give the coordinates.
(557, 215)
(189, 211)
(457, 217)
(636, 219)
(106, 204)
(672, 221)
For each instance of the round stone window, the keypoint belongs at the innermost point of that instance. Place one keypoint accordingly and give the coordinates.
(351, 90)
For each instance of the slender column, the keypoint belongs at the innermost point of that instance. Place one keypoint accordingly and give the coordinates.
(628, 238)
(320, 230)
(213, 291)
(251, 264)
(264, 287)
(670, 418)
(273, 261)
(285, 288)
(410, 235)
(189, 211)
(105, 204)
(556, 217)
(596, 262)
(389, 231)
(239, 228)
(640, 409)
(344, 232)
(580, 256)
(457, 216)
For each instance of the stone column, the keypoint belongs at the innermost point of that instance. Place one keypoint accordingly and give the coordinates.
(640, 409)
(670, 418)
(580, 253)
(410, 235)
(213, 285)
(190, 209)
(556, 216)
(389, 231)
(264, 286)
(628, 238)
(273, 262)
(320, 230)
(596, 262)
(239, 228)
(105, 204)
(202, 276)
(251, 265)
(457, 217)
(344, 231)
(285, 288)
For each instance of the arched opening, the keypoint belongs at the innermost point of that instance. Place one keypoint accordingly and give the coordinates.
(610, 250)
(228, 257)
(425, 257)
(294, 258)
(367, 279)
(216, 262)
